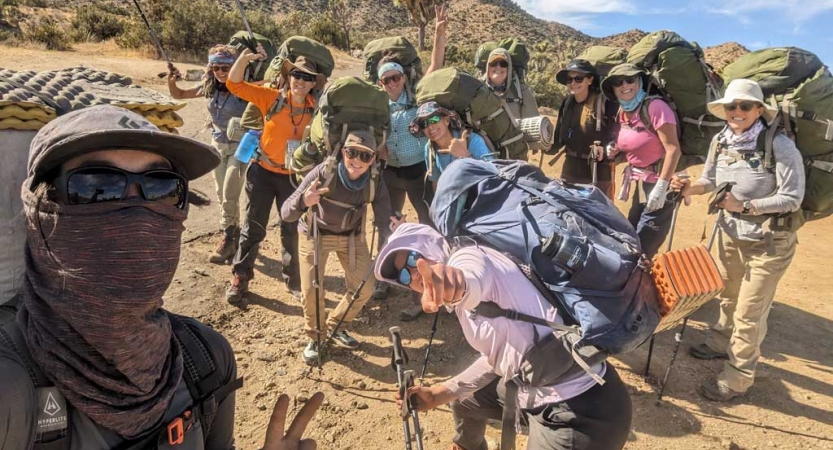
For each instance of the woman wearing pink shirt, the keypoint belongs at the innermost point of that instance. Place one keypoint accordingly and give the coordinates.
(648, 139)
(574, 414)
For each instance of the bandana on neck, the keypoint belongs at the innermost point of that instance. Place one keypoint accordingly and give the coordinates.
(633, 103)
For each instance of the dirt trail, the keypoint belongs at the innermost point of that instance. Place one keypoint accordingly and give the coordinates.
(790, 407)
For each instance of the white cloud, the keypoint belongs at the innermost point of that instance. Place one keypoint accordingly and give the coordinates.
(796, 11)
(581, 14)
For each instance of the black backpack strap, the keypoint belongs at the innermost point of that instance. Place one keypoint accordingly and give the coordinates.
(201, 373)
(56, 437)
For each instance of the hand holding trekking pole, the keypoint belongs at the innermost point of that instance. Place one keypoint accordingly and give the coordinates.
(731, 203)
(250, 56)
(597, 152)
(441, 284)
(459, 147)
(293, 438)
(313, 194)
(682, 183)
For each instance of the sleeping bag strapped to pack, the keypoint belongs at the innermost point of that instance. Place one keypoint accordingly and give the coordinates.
(603, 58)
(348, 103)
(801, 87)
(478, 107)
(401, 49)
(256, 70)
(679, 74)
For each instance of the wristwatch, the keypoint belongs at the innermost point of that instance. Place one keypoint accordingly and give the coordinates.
(747, 206)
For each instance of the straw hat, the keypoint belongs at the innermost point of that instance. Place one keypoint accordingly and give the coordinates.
(742, 90)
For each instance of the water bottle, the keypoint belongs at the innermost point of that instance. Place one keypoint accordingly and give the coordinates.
(246, 148)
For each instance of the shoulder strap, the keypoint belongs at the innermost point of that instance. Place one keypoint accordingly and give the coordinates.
(768, 138)
(645, 115)
(276, 107)
(48, 436)
(600, 111)
(201, 374)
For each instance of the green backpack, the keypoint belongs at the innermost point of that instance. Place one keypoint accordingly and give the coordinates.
(796, 81)
(348, 104)
(311, 49)
(256, 71)
(603, 58)
(517, 51)
(479, 107)
(404, 52)
(680, 75)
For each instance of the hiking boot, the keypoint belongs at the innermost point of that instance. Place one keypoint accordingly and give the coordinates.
(310, 353)
(703, 351)
(380, 290)
(227, 247)
(345, 340)
(717, 392)
(239, 287)
(410, 313)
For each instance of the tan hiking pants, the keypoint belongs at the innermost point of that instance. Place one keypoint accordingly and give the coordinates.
(352, 276)
(229, 178)
(751, 271)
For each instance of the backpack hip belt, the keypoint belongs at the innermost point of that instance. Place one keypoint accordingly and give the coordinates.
(632, 174)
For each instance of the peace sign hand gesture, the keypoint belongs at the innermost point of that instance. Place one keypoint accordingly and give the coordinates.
(275, 437)
(313, 195)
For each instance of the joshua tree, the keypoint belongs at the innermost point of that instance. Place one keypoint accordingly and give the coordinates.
(343, 17)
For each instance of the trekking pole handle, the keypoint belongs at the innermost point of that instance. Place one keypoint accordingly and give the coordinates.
(245, 21)
(398, 353)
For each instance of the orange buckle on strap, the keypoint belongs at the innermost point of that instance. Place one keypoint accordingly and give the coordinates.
(177, 429)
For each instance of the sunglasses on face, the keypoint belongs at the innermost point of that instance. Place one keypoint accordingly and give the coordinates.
(499, 63)
(576, 79)
(393, 78)
(223, 68)
(404, 273)
(433, 120)
(620, 81)
(744, 106)
(298, 75)
(352, 153)
(88, 185)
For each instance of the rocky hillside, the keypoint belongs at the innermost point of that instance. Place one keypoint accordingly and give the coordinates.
(722, 55)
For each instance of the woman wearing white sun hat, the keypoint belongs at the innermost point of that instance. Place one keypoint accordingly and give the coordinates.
(753, 253)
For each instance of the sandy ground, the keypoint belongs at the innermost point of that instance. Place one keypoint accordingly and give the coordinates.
(790, 406)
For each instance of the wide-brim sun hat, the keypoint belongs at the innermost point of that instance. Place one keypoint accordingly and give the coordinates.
(304, 65)
(623, 70)
(108, 127)
(576, 65)
(742, 89)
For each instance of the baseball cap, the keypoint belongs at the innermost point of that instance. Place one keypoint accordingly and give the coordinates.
(361, 140)
(576, 65)
(108, 127)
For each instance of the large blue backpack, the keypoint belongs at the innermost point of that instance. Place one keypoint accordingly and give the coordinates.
(569, 240)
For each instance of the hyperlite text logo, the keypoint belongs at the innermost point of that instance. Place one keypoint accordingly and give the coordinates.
(52, 412)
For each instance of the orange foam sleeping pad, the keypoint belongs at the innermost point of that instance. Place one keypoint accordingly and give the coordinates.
(686, 279)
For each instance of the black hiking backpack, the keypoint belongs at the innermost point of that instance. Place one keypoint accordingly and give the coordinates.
(200, 371)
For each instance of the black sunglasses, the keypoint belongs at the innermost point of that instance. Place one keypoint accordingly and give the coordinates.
(393, 78)
(577, 79)
(500, 63)
(744, 106)
(620, 81)
(352, 153)
(298, 75)
(87, 185)
(223, 68)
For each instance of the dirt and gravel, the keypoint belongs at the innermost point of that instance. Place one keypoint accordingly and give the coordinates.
(790, 406)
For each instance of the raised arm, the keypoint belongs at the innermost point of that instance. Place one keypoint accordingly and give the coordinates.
(440, 38)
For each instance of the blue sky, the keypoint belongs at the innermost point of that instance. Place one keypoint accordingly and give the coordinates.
(753, 23)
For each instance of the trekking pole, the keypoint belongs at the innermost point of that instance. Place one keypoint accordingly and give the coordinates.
(153, 36)
(594, 168)
(316, 284)
(405, 379)
(679, 335)
(430, 341)
(677, 203)
(251, 34)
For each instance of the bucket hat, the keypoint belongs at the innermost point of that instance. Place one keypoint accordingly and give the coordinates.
(742, 89)
(622, 70)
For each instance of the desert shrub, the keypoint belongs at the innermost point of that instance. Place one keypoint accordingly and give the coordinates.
(326, 31)
(263, 23)
(48, 31)
(548, 92)
(97, 23)
(9, 9)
